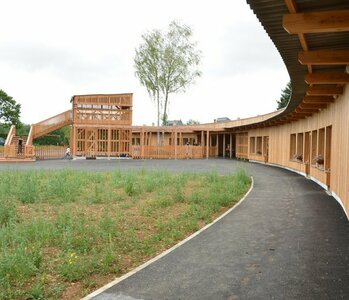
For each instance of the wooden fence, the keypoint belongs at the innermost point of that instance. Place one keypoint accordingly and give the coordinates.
(156, 152)
(171, 152)
(49, 152)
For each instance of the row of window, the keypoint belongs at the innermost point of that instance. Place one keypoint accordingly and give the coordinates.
(312, 147)
(259, 145)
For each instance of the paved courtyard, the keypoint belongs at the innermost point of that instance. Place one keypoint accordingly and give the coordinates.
(287, 240)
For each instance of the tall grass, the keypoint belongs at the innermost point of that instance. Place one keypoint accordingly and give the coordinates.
(62, 227)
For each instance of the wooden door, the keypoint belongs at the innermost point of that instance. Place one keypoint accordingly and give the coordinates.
(266, 148)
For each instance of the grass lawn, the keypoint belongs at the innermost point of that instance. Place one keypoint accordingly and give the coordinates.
(66, 233)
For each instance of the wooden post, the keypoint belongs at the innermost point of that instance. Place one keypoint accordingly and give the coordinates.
(142, 143)
(224, 145)
(202, 144)
(175, 144)
(207, 144)
(231, 146)
(216, 145)
(109, 141)
(73, 140)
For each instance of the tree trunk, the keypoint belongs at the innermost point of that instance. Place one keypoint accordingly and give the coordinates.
(158, 121)
(164, 116)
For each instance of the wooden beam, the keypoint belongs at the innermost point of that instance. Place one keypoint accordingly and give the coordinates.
(318, 99)
(291, 5)
(297, 116)
(312, 105)
(298, 111)
(308, 110)
(292, 8)
(324, 57)
(316, 22)
(325, 90)
(327, 78)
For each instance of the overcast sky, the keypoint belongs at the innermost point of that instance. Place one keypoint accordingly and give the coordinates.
(51, 50)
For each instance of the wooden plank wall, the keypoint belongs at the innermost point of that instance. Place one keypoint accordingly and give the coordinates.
(335, 122)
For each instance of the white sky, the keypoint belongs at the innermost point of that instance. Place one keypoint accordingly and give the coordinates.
(51, 50)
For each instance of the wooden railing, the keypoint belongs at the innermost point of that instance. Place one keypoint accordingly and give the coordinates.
(1, 151)
(10, 135)
(116, 99)
(49, 152)
(51, 124)
(29, 148)
(10, 150)
(170, 152)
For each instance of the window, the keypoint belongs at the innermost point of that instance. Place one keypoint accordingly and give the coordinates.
(136, 141)
(259, 145)
(321, 148)
(313, 144)
(328, 148)
(293, 145)
(306, 157)
(252, 145)
(299, 154)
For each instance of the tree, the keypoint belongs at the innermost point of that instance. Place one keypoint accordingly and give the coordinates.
(9, 109)
(192, 122)
(285, 96)
(167, 63)
(58, 137)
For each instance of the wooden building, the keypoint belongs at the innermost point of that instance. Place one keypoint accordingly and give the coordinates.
(310, 136)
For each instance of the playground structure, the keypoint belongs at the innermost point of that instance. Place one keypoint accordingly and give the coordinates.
(310, 136)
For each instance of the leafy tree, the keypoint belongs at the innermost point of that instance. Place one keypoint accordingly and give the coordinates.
(167, 63)
(23, 129)
(58, 137)
(192, 122)
(9, 109)
(285, 96)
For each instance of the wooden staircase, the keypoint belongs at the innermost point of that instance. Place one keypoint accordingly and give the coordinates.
(20, 148)
(18, 143)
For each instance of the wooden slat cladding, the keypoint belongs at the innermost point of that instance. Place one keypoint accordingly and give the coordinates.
(321, 140)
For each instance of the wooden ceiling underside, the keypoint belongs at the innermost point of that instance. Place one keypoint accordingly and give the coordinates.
(317, 59)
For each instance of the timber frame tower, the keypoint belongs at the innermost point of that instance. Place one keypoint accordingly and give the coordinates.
(101, 125)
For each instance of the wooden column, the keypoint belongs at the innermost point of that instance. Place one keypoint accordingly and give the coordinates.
(207, 144)
(217, 145)
(175, 144)
(142, 143)
(224, 145)
(73, 140)
(231, 146)
(109, 142)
